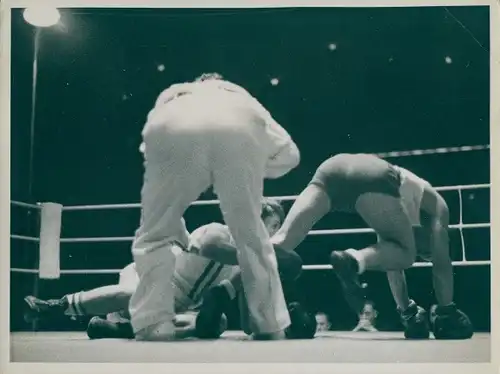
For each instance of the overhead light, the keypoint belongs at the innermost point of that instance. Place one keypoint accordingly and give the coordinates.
(332, 46)
(42, 16)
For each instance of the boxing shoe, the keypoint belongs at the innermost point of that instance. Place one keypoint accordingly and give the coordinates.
(449, 322)
(346, 269)
(211, 319)
(35, 308)
(100, 328)
(415, 322)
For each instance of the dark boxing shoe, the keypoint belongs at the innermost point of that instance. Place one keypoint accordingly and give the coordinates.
(450, 323)
(35, 308)
(346, 269)
(415, 322)
(100, 328)
(211, 313)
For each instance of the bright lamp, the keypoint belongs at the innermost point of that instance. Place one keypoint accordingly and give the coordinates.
(41, 16)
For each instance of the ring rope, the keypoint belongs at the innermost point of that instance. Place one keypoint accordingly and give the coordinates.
(460, 221)
(415, 152)
(420, 152)
(24, 237)
(104, 239)
(25, 205)
(214, 202)
(304, 267)
(460, 226)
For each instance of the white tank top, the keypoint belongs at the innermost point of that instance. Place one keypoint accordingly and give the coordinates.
(193, 274)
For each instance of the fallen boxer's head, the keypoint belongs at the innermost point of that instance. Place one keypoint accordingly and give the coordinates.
(272, 215)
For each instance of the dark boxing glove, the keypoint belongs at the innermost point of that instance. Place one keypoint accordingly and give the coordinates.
(303, 323)
(449, 322)
(415, 322)
(100, 328)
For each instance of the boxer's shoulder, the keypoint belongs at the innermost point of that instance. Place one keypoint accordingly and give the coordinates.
(217, 227)
(211, 234)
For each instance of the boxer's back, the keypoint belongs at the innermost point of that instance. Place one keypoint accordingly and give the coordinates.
(345, 177)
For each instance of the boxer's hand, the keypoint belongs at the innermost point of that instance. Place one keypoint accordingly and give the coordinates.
(185, 320)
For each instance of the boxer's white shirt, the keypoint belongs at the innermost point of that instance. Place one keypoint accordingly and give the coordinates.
(193, 274)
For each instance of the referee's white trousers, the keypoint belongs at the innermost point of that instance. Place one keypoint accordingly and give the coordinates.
(191, 144)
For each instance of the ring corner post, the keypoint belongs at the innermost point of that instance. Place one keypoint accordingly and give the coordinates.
(49, 247)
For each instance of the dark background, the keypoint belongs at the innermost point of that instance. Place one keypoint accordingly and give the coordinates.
(386, 87)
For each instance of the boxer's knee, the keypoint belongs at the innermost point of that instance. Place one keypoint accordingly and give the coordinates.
(404, 254)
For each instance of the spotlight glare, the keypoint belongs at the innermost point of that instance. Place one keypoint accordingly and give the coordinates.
(161, 67)
(275, 81)
(332, 46)
(448, 60)
(41, 16)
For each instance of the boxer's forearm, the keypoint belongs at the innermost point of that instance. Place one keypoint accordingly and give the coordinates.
(442, 269)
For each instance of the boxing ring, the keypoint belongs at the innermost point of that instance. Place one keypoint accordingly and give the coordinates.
(331, 347)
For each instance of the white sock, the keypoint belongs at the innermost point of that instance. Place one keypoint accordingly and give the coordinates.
(74, 307)
(229, 288)
(359, 259)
